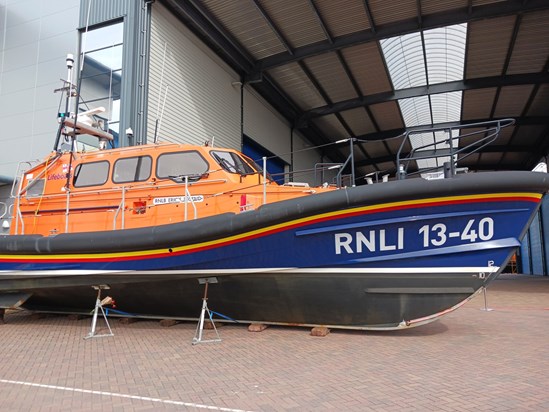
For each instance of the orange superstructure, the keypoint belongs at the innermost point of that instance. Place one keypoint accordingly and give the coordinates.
(141, 186)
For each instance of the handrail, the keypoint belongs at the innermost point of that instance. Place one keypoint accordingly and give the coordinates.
(18, 181)
(128, 188)
(350, 159)
(67, 210)
(19, 178)
(19, 219)
(322, 167)
(489, 133)
(50, 163)
(264, 180)
(121, 206)
(18, 175)
(187, 197)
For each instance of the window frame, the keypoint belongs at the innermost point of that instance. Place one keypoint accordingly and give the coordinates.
(158, 160)
(215, 156)
(128, 158)
(77, 171)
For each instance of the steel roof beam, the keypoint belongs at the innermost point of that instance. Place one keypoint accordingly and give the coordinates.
(393, 133)
(369, 16)
(278, 33)
(459, 85)
(321, 21)
(193, 14)
(325, 96)
(510, 50)
(488, 149)
(447, 18)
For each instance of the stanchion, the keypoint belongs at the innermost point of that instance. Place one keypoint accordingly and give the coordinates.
(99, 307)
(205, 310)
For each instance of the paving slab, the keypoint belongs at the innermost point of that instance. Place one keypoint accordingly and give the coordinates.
(470, 360)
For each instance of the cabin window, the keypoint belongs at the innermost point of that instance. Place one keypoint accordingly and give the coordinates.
(173, 165)
(35, 187)
(91, 174)
(232, 162)
(132, 169)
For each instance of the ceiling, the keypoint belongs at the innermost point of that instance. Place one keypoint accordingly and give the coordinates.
(371, 69)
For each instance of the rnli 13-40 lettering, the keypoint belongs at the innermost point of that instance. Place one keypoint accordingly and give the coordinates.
(436, 234)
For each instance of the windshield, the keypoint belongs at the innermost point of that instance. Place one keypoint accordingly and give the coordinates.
(259, 168)
(232, 162)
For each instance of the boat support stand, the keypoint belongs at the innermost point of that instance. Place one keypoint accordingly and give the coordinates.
(99, 307)
(486, 308)
(200, 327)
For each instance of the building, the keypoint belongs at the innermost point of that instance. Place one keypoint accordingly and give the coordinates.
(279, 77)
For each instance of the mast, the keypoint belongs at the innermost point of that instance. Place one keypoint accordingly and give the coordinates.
(68, 87)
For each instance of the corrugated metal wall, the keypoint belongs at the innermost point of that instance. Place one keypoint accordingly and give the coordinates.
(189, 89)
(100, 11)
(197, 96)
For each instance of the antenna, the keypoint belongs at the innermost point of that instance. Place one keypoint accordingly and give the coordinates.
(70, 64)
(158, 119)
(68, 86)
(78, 88)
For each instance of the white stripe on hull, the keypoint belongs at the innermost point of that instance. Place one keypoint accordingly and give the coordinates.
(4, 275)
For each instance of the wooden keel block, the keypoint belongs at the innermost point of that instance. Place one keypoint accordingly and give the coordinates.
(320, 331)
(166, 323)
(210, 326)
(257, 327)
(127, 321)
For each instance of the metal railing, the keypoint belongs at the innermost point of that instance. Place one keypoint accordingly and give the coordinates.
(121, 209)
(448, 147)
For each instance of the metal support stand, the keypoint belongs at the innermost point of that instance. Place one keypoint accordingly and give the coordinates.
(486, 308)
(200, 327)
(99, 307)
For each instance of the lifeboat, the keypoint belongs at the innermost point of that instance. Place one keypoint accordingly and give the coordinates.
(155, 222)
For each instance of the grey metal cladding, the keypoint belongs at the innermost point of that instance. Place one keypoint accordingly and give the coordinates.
(101, 11)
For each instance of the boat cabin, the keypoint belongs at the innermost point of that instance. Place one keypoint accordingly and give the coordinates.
(140, 186)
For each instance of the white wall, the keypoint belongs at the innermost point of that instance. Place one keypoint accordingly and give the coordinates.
(35, 38)
(268, 128)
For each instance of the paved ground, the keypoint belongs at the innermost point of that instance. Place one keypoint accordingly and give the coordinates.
(470, 360)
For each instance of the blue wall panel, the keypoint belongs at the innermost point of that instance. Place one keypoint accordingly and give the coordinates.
(536, 250)
(544, 210)
(275, 166)
(525, 255)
